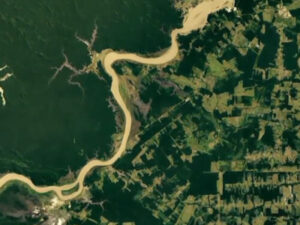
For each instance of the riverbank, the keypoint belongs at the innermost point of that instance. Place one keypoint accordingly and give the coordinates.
(195, 19)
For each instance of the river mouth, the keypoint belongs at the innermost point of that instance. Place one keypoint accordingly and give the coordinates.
(47, 130)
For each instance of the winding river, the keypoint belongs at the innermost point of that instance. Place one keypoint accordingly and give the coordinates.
(196, 18)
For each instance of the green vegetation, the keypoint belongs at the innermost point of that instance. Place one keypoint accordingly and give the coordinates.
(48, 128)
(216, 135)
(20, 205)
(220, 143)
